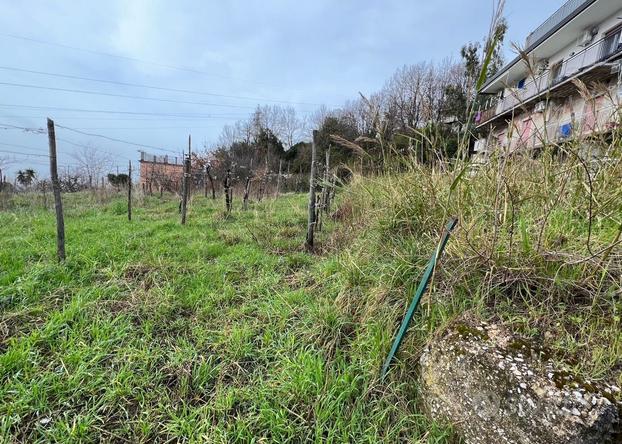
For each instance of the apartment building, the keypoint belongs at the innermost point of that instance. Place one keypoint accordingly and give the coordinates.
(566, 84)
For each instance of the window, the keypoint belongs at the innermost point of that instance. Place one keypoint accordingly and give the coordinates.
(521, 83)
(612, 43)
(556, 72)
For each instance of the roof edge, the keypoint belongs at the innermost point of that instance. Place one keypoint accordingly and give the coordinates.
(537, 43)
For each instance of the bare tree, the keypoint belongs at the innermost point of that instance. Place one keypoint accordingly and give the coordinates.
(4, 163)
(292, 128)
(92, 163)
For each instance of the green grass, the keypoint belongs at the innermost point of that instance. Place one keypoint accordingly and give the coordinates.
(223, 330)
(226, 330)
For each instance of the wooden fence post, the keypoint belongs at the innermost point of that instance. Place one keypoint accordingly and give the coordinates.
(311, 218)
(190, 169)
(318, 213)
(129, 191)
(58, 204)
(247, 189)
(278, 178)
(331, 193)
(185, 191)
(326, 191)
(205, 182)
(43, 190)
(227, 187)
(211, 181)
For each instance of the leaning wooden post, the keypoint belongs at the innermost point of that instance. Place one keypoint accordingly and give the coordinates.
(311, 219)
(186, 189)
(58, 204)
(278, 178)
(129, 191)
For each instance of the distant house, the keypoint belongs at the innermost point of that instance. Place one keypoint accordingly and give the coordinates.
(161, 171)
(536, 98)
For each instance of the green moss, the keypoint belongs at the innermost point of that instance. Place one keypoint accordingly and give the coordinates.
(529, 348)
(466, 331)
(565, 379)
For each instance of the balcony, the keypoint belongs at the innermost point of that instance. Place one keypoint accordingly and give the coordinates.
(581, 63)
(170, 160)
(591, 122)
(553, 21)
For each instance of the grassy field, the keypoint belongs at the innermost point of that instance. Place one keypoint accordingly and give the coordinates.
(223, 330)
(226, 330)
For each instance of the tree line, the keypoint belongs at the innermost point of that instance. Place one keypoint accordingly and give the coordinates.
(422, 112)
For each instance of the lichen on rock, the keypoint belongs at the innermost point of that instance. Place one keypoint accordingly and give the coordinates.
(496, 388)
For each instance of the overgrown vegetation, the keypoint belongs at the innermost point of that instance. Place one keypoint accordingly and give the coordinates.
(222, 330)
(225, 330)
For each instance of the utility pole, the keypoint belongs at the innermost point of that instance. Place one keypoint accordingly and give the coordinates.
(58, 204)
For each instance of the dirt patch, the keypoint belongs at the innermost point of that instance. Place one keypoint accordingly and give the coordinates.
(142, 275)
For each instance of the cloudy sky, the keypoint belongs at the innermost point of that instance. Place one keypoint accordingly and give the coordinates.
(231, 55)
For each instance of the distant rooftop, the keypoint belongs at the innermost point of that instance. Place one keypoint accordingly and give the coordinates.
(568, 9)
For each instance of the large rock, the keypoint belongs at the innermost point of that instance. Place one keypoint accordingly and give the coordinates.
(498, 389)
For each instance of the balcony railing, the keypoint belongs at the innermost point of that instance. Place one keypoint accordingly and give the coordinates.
(590, 56)
(559, 16)
(590, 122)
(171, 160)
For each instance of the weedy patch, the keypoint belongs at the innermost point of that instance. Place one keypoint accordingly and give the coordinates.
(226, 330)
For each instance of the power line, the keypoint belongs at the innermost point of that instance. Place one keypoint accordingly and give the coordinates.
(66, 141)
(118, 56)
(98, 111)
(146, 128)
(124, 96)
(141, 145)
(141, 119)
(23, 154)
(46, 163)
(9, 126)
(92, 148)
(15, 145)
(160, 88)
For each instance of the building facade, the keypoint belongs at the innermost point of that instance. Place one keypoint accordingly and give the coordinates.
(158, 172)
(567, 83)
